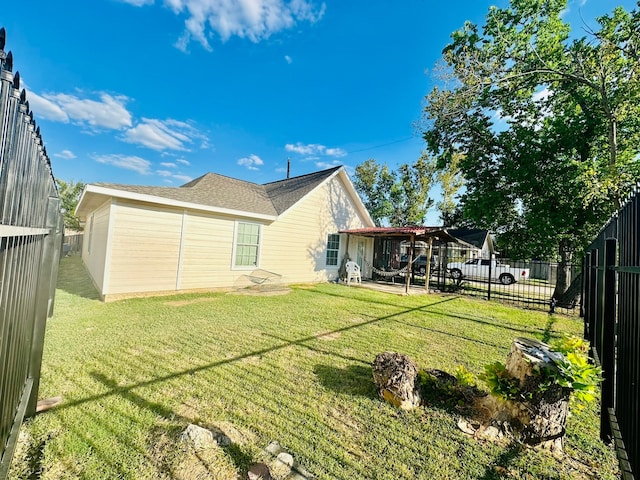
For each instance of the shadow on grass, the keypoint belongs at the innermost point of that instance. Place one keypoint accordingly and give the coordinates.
(74, 279)
(355, 380)
(501, 325)
(241, 459)
(122, 389)
(500, 468)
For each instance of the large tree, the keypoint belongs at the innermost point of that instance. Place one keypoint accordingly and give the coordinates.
(69, 193)
(396, 198)
(547, 125)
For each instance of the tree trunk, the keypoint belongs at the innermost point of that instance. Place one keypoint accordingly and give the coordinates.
(564, 269)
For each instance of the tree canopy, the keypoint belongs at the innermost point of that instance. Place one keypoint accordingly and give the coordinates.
(69, 193)
(395, 198)
(545, 127)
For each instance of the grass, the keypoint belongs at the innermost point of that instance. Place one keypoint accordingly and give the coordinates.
(294, 368)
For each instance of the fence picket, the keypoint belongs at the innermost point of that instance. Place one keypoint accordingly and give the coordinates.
(30, 242)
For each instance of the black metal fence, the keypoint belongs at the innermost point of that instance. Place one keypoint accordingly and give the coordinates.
(611, 310)
(30, 241)
(469, 271)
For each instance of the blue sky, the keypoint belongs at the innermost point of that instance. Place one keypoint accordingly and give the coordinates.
(157, 92)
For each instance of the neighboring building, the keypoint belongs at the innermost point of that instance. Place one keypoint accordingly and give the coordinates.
(479, 242)
(217, 232)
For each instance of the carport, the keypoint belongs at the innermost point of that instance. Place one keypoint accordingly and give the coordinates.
(388, 248)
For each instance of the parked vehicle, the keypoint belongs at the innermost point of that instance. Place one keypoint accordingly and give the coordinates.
(419, 264)
(479, 268)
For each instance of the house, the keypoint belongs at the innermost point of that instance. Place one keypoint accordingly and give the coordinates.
(217, 232)
(479, 243)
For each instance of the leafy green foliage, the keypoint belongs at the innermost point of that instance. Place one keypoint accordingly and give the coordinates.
(464, 376)
(544, 126)
(500, 382)
(576, 371)
(573, 371)
(69, 193)
(396, 198)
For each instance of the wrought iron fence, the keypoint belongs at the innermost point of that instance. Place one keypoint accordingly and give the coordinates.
(30, 241)
(611, 310)
(531, 284)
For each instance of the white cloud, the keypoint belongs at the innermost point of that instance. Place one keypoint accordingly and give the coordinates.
(168, 165)
(252, 162)
(288, 59)
(183, 161)
(315, 149)
(162, 134)
(138, 3)
(325, 165)
(252, 19)
(46, 109)
(335, 152)
(68, 154)
(164, 173)
(128, 162)
(183, 178)
(107, 112)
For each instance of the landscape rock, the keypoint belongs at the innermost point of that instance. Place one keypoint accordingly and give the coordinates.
(203, 438)
(395, 376)
(259, 471)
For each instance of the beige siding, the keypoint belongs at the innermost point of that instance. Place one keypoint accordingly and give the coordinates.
(162, 249)
(145, 247)
(94, 248)
(207, 252)
(295, 245)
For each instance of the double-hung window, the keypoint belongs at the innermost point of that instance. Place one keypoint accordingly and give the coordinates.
(333, 245)
(247, 246)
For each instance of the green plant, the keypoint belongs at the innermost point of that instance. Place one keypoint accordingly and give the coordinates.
(465, 377)
(575, 371)
(500, 381)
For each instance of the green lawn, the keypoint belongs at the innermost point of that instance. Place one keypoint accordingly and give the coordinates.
(294, 368)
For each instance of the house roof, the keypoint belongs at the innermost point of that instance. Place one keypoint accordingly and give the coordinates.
(217, 193)
(474, 236)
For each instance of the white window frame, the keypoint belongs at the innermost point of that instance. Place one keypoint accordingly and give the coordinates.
(337, 265)
(235, 246)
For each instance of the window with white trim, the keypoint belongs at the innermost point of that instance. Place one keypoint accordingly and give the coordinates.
(333, 245)
(247, 247)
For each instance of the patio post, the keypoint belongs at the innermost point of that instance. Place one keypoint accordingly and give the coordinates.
(428, 266)
(409, 264)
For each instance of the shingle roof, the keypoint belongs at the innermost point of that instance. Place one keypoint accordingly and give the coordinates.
(474, 236)
(219, 191)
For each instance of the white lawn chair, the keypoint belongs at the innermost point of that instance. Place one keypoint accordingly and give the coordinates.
(353, 272)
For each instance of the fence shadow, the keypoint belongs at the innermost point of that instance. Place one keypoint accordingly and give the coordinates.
(74, 279)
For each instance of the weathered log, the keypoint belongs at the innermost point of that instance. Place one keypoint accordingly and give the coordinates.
(395, 376)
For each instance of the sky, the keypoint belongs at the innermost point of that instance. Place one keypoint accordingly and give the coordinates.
(158, 92)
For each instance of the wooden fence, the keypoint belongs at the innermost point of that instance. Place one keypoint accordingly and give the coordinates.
(30, 241)
(611, 309)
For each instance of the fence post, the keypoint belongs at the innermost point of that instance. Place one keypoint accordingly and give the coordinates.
(607, 356)
(593, 300)
(586, 269)
(43, 301)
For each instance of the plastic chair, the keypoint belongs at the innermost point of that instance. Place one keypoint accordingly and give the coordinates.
(353, 272)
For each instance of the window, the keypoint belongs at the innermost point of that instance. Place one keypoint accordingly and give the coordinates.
(247, 244)
(333, 245)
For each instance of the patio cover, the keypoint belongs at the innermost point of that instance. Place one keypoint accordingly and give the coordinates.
(412, 233)
(417, 233)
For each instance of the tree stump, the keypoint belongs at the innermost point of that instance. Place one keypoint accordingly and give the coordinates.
(395, 376)
(539, 418)
(547, 407)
